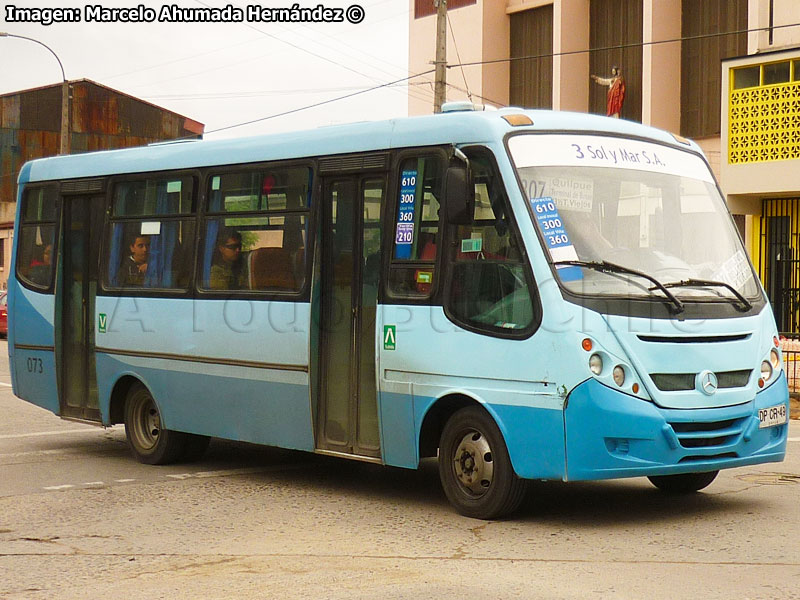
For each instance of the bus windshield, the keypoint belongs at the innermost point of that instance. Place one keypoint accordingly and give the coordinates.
(644, 207)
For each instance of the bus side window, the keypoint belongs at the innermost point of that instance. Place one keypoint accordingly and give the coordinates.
(151, 234)
(489, 289)
(36, 250)
(412, 270)
(255, 230)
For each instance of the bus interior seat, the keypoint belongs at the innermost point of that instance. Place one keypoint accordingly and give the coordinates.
(271, 268)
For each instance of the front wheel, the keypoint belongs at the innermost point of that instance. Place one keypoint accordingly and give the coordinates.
(685, 483)
(150, 443)
(474, 466)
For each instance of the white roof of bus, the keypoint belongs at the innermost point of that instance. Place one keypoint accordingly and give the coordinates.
(462, 127)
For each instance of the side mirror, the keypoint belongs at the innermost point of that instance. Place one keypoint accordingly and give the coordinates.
(459, 194)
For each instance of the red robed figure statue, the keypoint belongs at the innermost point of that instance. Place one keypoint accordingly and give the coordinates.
(616, 91)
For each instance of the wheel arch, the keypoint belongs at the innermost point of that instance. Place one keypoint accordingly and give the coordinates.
(116, 405)
(439, 412)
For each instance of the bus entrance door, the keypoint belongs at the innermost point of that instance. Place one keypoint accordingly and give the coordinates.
(351, 258)
(82, 222)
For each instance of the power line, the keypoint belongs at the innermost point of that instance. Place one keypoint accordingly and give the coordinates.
(621, 46)
(458, 55)
(315, 105)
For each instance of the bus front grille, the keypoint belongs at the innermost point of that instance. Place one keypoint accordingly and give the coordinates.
(683, 382)
(708, 435)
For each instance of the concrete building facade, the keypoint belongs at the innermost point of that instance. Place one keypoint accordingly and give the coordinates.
(725, 73)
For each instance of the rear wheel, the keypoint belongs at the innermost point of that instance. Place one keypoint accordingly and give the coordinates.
(149, 441)
(684, 483)
(474, 466)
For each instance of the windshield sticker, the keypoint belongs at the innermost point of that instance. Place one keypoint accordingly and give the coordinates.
(735, 271)
(597, 151)
(568, 194)
(404, 239)
(471, 245)
(555, 236)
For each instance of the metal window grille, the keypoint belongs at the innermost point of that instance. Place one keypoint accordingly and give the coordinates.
(780, 260)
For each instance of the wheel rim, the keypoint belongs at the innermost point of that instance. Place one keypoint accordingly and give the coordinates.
(473, 463)
(146, 423)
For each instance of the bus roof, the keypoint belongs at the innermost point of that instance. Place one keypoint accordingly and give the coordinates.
(458, 127)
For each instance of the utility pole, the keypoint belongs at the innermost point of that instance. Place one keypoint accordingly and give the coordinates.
(440, 85)
(65, 126)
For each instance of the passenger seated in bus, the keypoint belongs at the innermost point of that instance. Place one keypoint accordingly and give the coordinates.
(228, 268)
(40, 266)
(134, 267)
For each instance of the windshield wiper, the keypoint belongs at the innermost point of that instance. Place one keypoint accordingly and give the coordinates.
(744, 303)
(607, 267)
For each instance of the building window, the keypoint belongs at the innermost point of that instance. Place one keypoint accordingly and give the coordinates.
(764, 113)
(531, 82)
(701, 57)
(616, 23)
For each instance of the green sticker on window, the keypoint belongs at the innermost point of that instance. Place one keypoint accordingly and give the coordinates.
(102, 322)
(472, 245)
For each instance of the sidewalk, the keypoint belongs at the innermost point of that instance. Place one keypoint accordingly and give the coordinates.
(794, 406)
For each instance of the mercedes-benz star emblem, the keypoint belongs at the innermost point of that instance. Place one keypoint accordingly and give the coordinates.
(707, 382)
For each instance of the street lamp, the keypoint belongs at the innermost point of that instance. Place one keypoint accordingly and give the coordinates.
(64, 145)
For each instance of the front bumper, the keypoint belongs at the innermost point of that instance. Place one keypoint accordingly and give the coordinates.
(610, 434)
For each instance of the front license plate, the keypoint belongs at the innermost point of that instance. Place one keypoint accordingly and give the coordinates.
(772, 416)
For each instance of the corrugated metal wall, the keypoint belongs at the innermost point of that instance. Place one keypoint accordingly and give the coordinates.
(100, 119)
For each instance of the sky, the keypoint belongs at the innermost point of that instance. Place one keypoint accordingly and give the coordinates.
(223, 74)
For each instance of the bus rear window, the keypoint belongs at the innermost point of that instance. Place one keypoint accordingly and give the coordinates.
(37, 235)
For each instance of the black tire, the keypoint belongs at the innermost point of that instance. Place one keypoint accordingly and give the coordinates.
(685, 483)
(149, 442)
(474, 466)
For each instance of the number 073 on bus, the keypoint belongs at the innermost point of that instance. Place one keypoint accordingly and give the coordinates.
(522, 294)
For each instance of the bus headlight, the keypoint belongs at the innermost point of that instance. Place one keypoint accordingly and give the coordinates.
(774, 359)
(596, 364)
(766, 371)
(619, 375)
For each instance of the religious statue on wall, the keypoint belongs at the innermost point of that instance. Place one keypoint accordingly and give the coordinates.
(616, 91)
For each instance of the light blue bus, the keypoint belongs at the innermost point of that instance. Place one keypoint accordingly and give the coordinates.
(524, 294)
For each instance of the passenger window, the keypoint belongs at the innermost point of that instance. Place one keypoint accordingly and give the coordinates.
(36, 251)
(416, 228)
(151, 235)
(489, 287)
(256, 233)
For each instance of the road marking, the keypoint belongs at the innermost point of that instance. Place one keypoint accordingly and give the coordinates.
(95, 483)
(222, 473)
(793, 439)
(15, 436)
(6, 384)
(58, 487)
(124, 480)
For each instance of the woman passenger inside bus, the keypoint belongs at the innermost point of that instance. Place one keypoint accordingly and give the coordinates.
(228, 268)
(40, 267)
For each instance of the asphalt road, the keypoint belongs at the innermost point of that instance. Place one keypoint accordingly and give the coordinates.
(79, 518)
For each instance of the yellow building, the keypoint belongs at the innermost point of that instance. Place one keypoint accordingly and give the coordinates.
(724, 72)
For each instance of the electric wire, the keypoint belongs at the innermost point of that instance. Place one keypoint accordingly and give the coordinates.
(315, 105)
(458, 56)
(621, 46)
